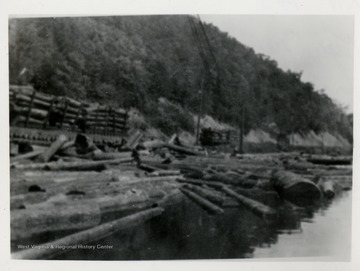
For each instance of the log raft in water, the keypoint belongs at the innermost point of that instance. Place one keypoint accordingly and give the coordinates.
(87, 236)
(294, 188)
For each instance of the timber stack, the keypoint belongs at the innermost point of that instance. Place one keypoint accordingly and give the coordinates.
(36, 117)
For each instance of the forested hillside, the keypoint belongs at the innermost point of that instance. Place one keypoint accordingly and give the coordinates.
(134, 60)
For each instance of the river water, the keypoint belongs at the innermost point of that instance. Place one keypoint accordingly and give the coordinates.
(327, 235)
(185, 231)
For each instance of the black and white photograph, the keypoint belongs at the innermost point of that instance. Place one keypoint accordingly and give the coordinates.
(192, 136)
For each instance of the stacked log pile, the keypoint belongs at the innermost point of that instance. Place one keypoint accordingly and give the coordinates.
(78, 192)
(210, 137)
(30, 108)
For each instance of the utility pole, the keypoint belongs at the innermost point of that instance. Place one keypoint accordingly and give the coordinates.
(242, 125)
(201, 110)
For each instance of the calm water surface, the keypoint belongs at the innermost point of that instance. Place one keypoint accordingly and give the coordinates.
(185, 231)
(326, 235)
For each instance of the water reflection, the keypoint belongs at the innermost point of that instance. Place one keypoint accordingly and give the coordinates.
(185, 231)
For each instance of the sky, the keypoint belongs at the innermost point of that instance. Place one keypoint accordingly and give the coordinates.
(321, 46)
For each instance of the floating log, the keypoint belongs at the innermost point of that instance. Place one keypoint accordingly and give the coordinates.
(58, 184)
(226, 164)
(295, 188)
(269, 198)
(184, 150)
(233, 179)
(255, 206)
(202, 202)
(55, 146)
(206, 193)
(330, 160)
(69, 158)
(331, 172)
(111, 155)
(28, 155)
(111, 193)
(77, 166)
(53, 216)
(190, 171)
(327, 188)
(88, 236)
(159, 172)
(153, 144)
(198, 182)
(300, 165)
(147, 168)
(91, 165)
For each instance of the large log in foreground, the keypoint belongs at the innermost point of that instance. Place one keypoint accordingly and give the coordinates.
(55, 216)
(87, 236)
(294, 188)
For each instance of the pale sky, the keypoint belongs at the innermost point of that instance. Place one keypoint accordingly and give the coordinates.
(320, 46)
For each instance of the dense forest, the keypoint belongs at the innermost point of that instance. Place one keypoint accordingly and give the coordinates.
(132, 61)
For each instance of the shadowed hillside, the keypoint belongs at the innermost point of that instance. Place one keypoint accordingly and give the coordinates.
(132, 61)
